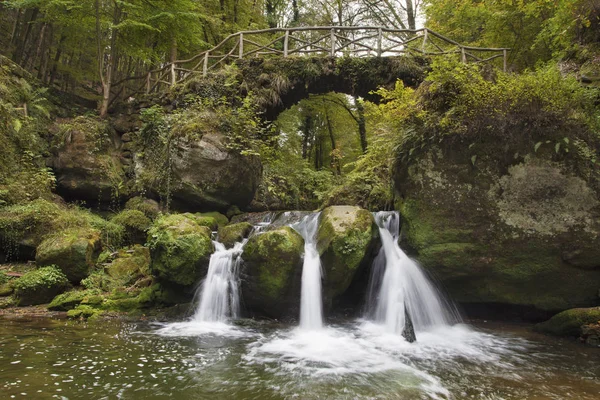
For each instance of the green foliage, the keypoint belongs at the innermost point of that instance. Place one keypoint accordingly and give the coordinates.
(24, 111)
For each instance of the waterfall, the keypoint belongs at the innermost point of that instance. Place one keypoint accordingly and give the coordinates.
(311, 303)
(399, 287)
(219, 292)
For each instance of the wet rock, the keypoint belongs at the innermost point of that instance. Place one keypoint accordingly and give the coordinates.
(347, 239)
(180, 248)
(232, 234)
(271, 272)
(408, 332)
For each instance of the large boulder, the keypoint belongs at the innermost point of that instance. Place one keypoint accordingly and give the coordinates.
(511, 226)
(206, 175)
(271, 273)
(180, 248)
(40, 286)
(86, 161)
(74, 251)
(347, 240)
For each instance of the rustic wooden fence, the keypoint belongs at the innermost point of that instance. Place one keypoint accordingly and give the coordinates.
(332, 41)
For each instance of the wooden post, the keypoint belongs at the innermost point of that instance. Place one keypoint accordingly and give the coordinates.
(423, 47)
(286, 41)
(241, 45)
(463, 55)
(148, 82)
(332, 42)
(379, 40)
(205, 65)
(505, 56)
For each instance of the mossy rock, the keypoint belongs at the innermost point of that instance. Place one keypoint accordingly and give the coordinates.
(272, 267)
(234, 233)
(136, 225)
(570, 322)
(40, 286)
(69, 300)
(346, 240)
(130, 264)
(73, 251)
(522, 232)
(221, 219)
(180, 248)
(149, 207)
(6, 289)
(23, 227)
(84, 312)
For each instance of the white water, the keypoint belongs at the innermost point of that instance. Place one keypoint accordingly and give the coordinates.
(219, 293)
(398, 283)
(311, 303)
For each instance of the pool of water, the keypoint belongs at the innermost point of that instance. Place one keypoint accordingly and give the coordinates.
(44, 358)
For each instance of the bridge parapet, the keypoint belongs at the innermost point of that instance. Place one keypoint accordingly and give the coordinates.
(327, 41)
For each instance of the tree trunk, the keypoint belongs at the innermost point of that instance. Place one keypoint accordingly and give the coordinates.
(56, 60)
(106, 71)
(335, 165)
(306, 129)
(20, 49)
(411, 14)
(362, 126)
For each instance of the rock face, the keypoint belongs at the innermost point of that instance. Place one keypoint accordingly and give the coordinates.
(271, 273)
(507, 230)
(208, 176)
(73, 251)
(347, 241)
(180, 248)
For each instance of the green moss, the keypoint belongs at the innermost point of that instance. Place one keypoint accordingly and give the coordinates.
(136, 224)
(6, 289)
(221, 219)
(234, 233)
(84, 312)
(69, 300)
(570, 322)
(271, 259)
(150, 208)
(180, 247)
(40, 286)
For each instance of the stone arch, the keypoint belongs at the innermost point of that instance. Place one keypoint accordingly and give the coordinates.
(279, 83)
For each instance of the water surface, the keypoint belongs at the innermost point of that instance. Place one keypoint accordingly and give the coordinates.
(45, 358)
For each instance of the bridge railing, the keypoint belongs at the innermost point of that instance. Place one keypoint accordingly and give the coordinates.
(332, 41)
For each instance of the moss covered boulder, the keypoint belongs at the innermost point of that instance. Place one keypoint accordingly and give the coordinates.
(346, 240)
(130, 264)
(87, 161)
(234, 233)
(149, 207)
(180, 248)
(74, 251)
(136, 225)
(518, 227)
(271, 273)
(570, 322)
(219, 218)
(40, 286)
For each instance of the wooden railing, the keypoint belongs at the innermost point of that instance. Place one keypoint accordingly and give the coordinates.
(332, 41)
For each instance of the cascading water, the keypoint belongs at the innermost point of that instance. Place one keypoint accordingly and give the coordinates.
(311, 303)
(398, 286)
(219, 293)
